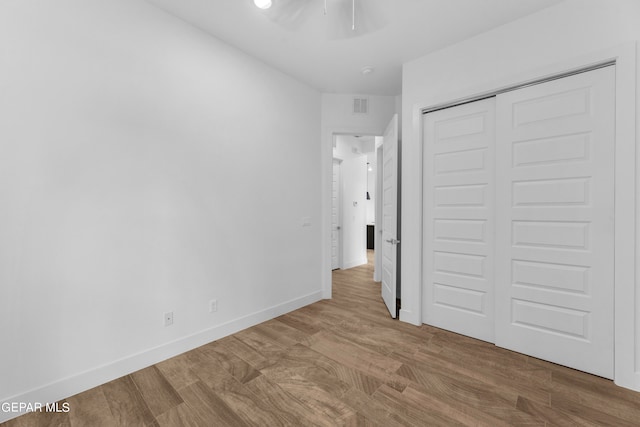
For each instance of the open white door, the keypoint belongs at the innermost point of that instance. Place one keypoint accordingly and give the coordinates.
(390, 214)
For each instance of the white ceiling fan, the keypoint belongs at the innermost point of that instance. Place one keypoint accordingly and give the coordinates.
(341, 18)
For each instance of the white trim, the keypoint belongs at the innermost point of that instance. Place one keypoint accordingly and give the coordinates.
(377, 231)
(627, 330)
(340, 218)
(627, 193)
(83, 381)
(411, 209)
(409, 317)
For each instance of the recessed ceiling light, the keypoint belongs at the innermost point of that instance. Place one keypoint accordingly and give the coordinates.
(263, 4)
(367, 70)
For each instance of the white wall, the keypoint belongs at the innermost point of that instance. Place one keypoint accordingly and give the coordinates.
(337, 118)
(527, 48)
(145, 167)
(337, 113)
(354, 188)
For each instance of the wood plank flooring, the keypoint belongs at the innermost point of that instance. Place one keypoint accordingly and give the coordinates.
(346, 362)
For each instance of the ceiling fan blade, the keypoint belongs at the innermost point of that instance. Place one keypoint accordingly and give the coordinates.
(290, 14)
(339, 22)
(349, 18)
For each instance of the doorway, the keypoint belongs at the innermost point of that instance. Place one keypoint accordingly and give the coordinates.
(370, 206)
(353, 199)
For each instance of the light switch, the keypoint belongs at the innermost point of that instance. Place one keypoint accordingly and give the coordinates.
(306, 221)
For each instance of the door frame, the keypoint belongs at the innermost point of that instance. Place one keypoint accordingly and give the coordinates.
(377, 234)
(340, 218)
(327, 138)
(627, 186)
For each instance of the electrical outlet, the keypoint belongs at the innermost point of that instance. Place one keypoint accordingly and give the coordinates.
(213, 306)
(168, 318)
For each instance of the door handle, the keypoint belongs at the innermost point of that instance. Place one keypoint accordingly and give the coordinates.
(392, 241)
(338, 228)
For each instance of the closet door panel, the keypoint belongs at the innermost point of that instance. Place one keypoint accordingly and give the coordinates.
(458, 219)
(554, 221)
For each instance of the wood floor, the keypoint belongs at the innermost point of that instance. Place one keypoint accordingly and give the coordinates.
(346, 362)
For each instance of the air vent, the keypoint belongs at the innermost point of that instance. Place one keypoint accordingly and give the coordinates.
(360, 105)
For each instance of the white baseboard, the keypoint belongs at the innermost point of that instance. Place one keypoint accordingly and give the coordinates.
(408, 317)
(354, 263)
(83, 381)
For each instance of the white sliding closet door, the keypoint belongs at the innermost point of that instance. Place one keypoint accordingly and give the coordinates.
(458, 218)
(554, 221)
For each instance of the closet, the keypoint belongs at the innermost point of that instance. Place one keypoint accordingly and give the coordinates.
(518, 231)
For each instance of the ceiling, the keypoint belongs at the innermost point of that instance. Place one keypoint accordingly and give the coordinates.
(296, 37)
